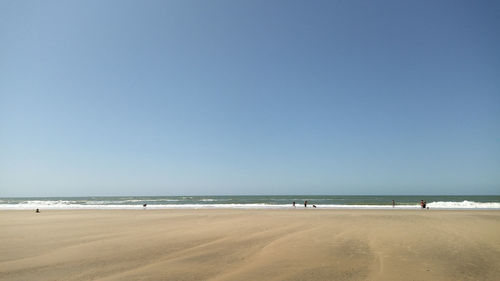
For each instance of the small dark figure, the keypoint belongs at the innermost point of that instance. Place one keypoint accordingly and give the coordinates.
(144, 205)
(425, 204)
(305, 204)
(293, 204)
(314, 206)
(422, 204)
(393, 203)
(37, 211)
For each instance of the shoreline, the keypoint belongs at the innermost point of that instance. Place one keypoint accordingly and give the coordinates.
(252, 202)
(238, 207)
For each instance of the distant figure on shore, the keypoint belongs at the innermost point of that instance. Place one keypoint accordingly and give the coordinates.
(305, 204)
(393, 203)
(293, 204)
(422, 204)
(37, 211)
(425, 204)
(144, 205)
(314, 206)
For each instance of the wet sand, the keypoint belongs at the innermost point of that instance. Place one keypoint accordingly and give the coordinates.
(300, 244)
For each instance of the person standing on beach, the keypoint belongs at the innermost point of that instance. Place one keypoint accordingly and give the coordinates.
(305, 204)
(393, 203)
(293, 204)
(422, 204)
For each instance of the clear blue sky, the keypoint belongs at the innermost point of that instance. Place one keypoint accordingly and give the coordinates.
(249, 97)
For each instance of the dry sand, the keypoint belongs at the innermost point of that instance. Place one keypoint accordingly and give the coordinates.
(250, 245)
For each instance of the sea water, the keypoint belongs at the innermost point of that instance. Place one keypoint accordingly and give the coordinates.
(251, 202)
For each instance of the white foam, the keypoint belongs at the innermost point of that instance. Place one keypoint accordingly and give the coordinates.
(464, 205)
(59, 205)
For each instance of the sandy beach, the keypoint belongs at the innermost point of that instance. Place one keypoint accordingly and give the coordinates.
(250, 245)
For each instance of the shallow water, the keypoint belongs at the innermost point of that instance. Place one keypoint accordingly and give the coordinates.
(250, 202)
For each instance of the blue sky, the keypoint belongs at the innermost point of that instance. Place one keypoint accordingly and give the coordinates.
(249, 97)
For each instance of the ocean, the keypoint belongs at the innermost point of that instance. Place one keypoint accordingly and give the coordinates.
(250, 202)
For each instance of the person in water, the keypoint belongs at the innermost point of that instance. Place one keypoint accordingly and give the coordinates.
(393, 203)
(305, 204)
(293, 204)
(422, 204)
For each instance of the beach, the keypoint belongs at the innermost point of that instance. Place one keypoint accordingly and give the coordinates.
(229, 244)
